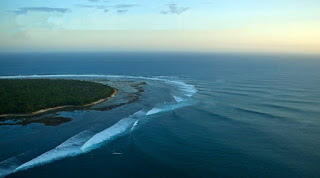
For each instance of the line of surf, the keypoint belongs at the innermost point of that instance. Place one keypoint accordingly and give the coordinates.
(70, 147)
(112, 132)
(168, 107)
(80, 143)
(127, 124)
(85, 141)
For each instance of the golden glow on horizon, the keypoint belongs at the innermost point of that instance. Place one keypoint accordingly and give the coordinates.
(254, 39)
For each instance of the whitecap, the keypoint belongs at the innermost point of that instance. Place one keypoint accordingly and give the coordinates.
(70, 147)
(154, 111)
(178, 99)
(135, 124)
(112, 132)
(81, 143)
(169, 107)
(108, 134)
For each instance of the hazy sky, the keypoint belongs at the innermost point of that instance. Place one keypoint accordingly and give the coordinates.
(160, 25)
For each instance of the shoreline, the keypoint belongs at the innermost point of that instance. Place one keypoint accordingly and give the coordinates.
(42, 111)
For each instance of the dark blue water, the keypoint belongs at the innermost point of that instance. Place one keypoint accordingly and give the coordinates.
(200, 115)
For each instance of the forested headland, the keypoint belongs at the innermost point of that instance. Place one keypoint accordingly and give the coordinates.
(22, 96)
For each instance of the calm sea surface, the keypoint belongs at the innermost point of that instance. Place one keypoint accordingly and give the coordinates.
(199, 115)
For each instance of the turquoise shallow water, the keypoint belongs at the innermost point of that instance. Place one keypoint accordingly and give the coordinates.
(199, 115)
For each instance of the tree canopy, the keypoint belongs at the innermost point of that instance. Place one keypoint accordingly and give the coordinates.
(20, 96)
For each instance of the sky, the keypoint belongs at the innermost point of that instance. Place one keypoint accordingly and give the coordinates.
(289, 26)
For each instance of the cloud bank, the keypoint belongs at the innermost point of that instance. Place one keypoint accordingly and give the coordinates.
(119, 8)
(25, 10)
(174, 9)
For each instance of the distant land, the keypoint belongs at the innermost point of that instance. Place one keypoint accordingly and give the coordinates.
(28, 97)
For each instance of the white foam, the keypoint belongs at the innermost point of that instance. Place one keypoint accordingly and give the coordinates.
(135, 124)
(70, 147)
(178, 99)
(81, 143)
(189, 90)
(108, 134)
(166, 108)
(112, 132)
(154, 111)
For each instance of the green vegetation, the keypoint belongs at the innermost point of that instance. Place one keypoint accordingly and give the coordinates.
(20, 96)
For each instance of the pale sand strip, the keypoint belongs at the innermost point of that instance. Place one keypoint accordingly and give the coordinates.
(60, 107)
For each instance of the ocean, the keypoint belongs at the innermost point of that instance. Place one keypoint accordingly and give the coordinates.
(176, 115)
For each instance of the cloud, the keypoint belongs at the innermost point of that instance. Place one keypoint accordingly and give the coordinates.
(121, 6)
(122, 11)
(174, 9)
(99, 7)
(92, 6)
(25, 10)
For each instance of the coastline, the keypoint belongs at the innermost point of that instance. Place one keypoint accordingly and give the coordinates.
(42, 111)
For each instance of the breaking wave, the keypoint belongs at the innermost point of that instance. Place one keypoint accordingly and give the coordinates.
(166, 108)
(135, 124)
(70, 147)
(112, 132)
(178, 99)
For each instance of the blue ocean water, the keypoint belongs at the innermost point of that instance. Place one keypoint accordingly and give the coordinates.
(199, 115)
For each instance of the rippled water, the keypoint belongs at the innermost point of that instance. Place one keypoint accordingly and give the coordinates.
(199, 115)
